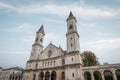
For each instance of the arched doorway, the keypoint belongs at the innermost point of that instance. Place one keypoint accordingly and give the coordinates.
(108, 75)
(19, 77)
(47, 75)
(118, 74)
(41, 75)
(10, 78)
(53, 75)
(63, 76)
(97, 75)
(87, 76)
(15, 77)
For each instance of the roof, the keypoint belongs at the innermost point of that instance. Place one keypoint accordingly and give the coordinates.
(71, 16)
(41, 30)
(15, 68)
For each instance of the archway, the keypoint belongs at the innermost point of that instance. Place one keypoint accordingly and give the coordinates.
(87, 76)
(19, 77)
(47, 75)
(97, 75)
(108, 75)
(41, 75)
(10, 78)
(15, 78)
(53, 75)
(118, 74)
(63, 76)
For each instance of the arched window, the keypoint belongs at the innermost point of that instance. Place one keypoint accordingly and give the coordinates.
(63, 76)
(54, 63)
(34, 76)
(53, 75)
(47, 75)
(63, 62)
(72, 59)
(71, 27)
(71, 44)
(72, 74)
(36, 65)
(36, 39)
(41, 40)
(49, 53)
(41, 75)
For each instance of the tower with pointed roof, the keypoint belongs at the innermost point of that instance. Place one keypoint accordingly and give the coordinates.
(37, 47)
(72, 34)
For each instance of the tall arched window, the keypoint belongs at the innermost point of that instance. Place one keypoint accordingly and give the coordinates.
(41, 40)
(63, 62)
(71, 27)
(36, 65)
(36, 39)
(63, 76)
(34, 76)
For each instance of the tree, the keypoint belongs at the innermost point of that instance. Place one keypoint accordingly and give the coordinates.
(89, 58)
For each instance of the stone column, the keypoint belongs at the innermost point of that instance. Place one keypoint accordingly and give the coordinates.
(102, 74)
(92, 76)
(103, 78)
(58, 75)
(50, 75)
(114, 76)
(44, 76)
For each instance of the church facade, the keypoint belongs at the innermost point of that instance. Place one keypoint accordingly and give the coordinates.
(54, 63)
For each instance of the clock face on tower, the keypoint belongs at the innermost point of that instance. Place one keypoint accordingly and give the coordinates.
(49, 53)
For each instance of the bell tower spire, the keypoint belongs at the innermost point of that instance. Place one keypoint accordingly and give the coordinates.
(37, 47)
(72, 34)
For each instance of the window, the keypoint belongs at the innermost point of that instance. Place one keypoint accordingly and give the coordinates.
(54, 62)
(51, 63)
(36, 66)
(34, 76)
(71, 27)
(71, 45)
(72, 74)
(49, 53)
(43, 64)
(36, 39)
(72, 59)
(63, 62)
(48, 63)
(41, 40)
(63, 76)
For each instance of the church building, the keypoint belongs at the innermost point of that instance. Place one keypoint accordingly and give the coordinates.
(54, 63)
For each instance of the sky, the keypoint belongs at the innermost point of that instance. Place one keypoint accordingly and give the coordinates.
(98, 23)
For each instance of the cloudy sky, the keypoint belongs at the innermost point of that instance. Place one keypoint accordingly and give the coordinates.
(98, 23)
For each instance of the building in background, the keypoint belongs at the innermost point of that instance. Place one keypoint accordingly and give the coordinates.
(14, 73)
(1, 69)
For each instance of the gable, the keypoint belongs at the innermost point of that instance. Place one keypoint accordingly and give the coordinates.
(51, 51)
